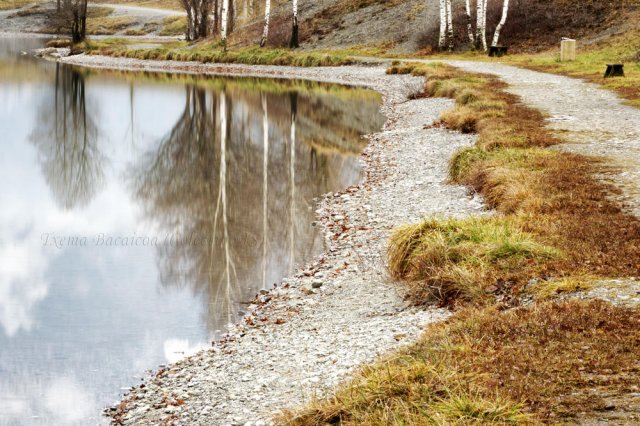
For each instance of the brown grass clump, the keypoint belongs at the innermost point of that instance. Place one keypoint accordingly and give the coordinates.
(547, 363)
(465, 260)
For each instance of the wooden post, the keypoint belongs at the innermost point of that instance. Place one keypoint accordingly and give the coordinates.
(568, 50)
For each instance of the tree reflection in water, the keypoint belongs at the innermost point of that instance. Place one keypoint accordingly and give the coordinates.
(67, 141)
(234, 183)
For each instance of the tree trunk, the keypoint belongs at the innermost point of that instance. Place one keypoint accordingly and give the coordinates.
(216, 15)
(295, 42)
(481, 24)
(450, 25)
(484, 24)
(190, 24)
(265, 30)
(469, 22)
(505, 12)
(443, 24)
(224, 15)
(231, 19)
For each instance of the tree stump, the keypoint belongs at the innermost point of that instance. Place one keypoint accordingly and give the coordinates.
(497, 51)
(614, 70)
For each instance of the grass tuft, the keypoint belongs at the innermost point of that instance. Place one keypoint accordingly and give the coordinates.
(464, 260)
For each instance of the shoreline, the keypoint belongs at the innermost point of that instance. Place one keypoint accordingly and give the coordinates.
(310, 332)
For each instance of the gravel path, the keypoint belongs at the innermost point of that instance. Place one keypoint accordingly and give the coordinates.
(593, 120)
(139, 11)
(342, 311)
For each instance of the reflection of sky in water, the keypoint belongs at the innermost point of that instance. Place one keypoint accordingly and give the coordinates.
(76, 323)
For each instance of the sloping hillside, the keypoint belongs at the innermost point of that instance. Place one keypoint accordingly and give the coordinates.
(409, 25)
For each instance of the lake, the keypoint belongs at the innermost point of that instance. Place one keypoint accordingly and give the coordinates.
(139, 213)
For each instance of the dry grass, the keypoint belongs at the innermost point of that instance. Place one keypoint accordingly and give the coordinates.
(109, 25)
(549, 289)
(549, 195)
(16, 4)
(174, 26)
(153, 4)
(468, 260)
(544, 364)
(211, 52)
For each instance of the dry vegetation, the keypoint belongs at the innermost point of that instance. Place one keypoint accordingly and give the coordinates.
(212, 52)
(549, 197)
(16, 4)
(547, 363)
(554, 232)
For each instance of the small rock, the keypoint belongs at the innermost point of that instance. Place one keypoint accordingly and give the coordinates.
(317, 283)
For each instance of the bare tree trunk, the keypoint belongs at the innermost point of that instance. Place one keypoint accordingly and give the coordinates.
(484, 24)
(265, 30)
(450, 24)
(479, 30)
(503, 20)
(443, 24)
(224, 16)
(231, 24)
(295, 42)
(469, 22)
(216, 15)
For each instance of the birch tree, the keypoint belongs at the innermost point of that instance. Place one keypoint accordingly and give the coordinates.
(505, 12)
(265, 31)
(225, 22)
(469, 22)
(443, 24)
(481, 24)
(450, 24)
(198, 12)
(294, 33)
(485, 4)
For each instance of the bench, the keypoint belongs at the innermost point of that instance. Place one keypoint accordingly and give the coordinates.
(614, 70)
(497, 51)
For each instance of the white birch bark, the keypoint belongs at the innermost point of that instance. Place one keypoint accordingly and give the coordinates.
(484, 24)
(469, 22)
(294, 32)
(443, 24)
(265, 31)
(450, 24)
(225, 22)
(503, 20)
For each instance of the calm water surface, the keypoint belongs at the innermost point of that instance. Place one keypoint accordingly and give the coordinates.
(139, 212)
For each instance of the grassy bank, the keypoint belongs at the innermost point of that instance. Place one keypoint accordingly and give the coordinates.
(554, 231)
(210, 52)
(554, 219)
(548, 363)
